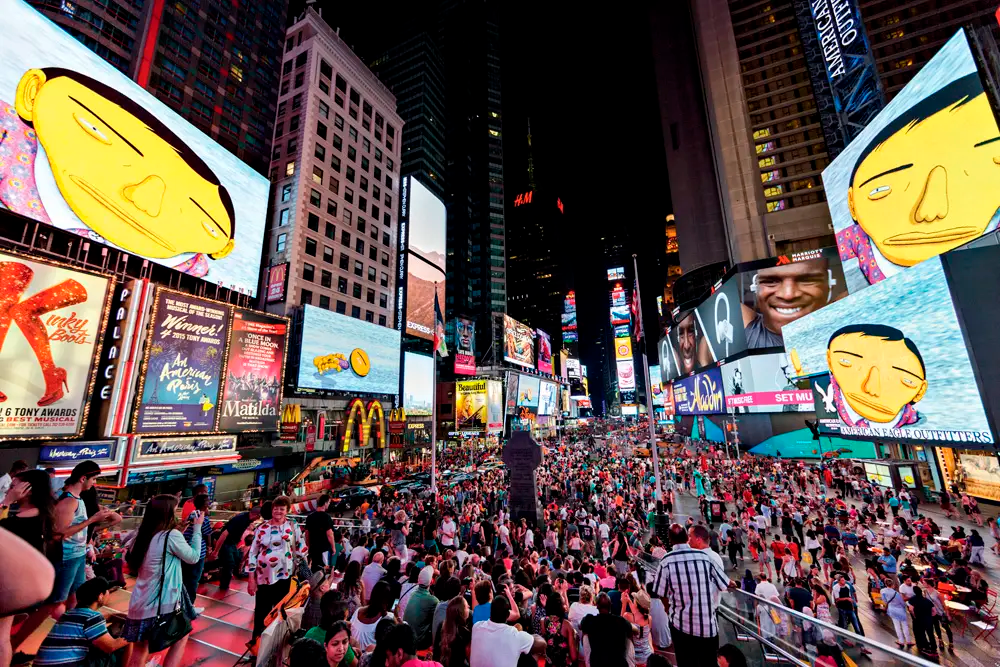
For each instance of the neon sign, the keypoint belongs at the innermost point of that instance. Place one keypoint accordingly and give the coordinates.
(524, 198)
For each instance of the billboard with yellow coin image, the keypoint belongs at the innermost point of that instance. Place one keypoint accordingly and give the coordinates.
(87, 150)
(898, 364)
(922, 178)
(342, 353)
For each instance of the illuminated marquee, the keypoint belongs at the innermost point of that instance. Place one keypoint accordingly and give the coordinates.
(524, 198)
(356, 409)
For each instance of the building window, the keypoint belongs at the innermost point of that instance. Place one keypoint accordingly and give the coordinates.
(377, 173)
(383, 279)
(335, 188)
(335, 163)
(356, 290)
(330, 229)
(326, 278)
(324, 109)
(300, 79)
(283, 217)
(342, 284)
(286, 192)
(366, 145)
(365, 163)
(338, 121)
(338, 142)
(369, 316)
(341, 307)
(308, 272)
(383, 300)
(319, 152)
(364, 184)
(282, 106)
(371, 273)
(349, 174)
(370, 295)
(290, 169)
(307, 297)
(293, 124)
(331, 207)
(328, 254)
(345, 238)
(324, 302)
(386, 219)
(317, 176)
(321, 130)
(352, 153)
(313, 222)
(315, 199)
(349, 195)
(381, 320)
(359, 268)
(359, 246)
(293, 145)
(372, 253)
(347, 215)
(375, 210)
(279, 245)
(353, 132)
(345, 261)
(356, 312)
(297, 102)
(385, 259)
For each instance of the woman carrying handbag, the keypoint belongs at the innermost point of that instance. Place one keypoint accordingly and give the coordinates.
(159, 611)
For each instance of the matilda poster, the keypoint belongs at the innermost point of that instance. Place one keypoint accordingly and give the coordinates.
(51, 321)
(252, 395)
(180, 383)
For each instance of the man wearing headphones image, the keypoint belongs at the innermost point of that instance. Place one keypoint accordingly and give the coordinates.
(783, 294)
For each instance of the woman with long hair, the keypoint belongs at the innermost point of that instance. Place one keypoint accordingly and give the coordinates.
(352, 587)
(635, 610)
(158, 551)
(365, 619)
(454, 639)
(560, 638)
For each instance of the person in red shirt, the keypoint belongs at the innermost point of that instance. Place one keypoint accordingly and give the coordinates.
(778, 549)
(188, 506)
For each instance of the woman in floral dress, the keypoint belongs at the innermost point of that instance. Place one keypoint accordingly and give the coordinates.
(271, 560)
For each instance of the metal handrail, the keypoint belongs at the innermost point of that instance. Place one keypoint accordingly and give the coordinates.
(737, 620)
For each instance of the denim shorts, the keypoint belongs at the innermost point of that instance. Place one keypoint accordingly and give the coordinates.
(69, 577)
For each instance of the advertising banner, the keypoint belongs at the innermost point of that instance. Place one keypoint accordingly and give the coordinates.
(895, 194)
(66, 455)
(623, 349)
(544, 352)
(255, 371)
(118, 166)
(158, 450)
(618, 296)
(471, 410)
(511, 396)
(654, 385)
(426, 261)
(899, 366)
(528, 389)
(347, 354)
(569, 321)
(573, 368)
(547, 398)
(50, 334)
(626, 375)
(518, 343)
(669, 407)
(179, 387)
(418, 384)
(620, 315)
(617, 273)
(841, 68)
(764, 383)
(494, 406)
(465, 346)
(277, 282)
(700, 394)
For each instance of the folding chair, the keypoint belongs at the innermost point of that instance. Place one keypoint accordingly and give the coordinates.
(987, 626)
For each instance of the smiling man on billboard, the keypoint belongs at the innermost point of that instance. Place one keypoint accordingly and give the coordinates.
(784, 294)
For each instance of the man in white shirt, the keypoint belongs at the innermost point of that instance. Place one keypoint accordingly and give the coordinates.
(905, 588)
(504, 533)
(765, 589)
(529, 539)
(605, 530)
(496, 644)
(360, 552)
(448, 530)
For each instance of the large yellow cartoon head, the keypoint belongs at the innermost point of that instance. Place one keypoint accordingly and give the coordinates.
(878, 370)
(122, 171)
(930, 181)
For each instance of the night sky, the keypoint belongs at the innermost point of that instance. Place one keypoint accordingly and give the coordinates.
(586, 81)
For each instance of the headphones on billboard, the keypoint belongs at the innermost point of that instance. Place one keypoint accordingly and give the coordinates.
(723, 327)
(830, 282)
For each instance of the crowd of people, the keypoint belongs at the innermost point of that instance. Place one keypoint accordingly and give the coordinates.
(594, 576)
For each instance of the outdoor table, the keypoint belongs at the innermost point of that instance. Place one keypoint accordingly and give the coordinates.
(942, 540)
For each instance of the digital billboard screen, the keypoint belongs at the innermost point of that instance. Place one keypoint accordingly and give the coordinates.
(425, 263)
(465, 346)
(544, 352)
(494, 406)
(528, 388)
(255, 372)
(700, 394)
(54, 320)
(618, 296)
(654, 385)
(569, 321)
(547, 398)
(99, 156)
(418, 384)
(179, 388)
(764, 383)
(616, 273)
(623, 348)
(344, 353)
(898, 362)
(620, 315)
(626, 375)
(573, 368)
(471, 405)
(921, 178)
(518, 343)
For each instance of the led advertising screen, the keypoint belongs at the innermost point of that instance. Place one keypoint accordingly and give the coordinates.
(52, 324)
(427, 230)
(626, 375)
(898, 362)
(255, 371)
(179, 387)
(764, 383)
(620, 315)
(511, 393)
(544, 352)
(573, 368)
(528, 388)
(547, 398)
(700, 394)
(669, 362)
(569, 321)
(921, 178)
(99, 156)
(570, 337)
(654, 385)
(518, 343)
(471, 411)
(623, 348)
(494, 406)
(418, 384)
(277, 283)
(616, 273)
(782, 289)
(343, 353)
(618, 296)
(465, 346)
(621, 331)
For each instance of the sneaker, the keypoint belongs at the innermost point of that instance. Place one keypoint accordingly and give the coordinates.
(199, 610)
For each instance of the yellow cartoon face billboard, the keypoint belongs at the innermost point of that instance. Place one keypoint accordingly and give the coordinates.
(90, 152)
(923, 177)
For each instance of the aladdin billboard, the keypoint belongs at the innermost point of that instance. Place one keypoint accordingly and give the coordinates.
(700, 394)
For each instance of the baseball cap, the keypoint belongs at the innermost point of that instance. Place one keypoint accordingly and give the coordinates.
(426, 576)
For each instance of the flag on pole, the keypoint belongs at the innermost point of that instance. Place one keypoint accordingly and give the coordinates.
(637, 310)
(440, 346)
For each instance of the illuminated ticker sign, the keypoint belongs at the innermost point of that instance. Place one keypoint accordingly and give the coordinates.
(524, 198)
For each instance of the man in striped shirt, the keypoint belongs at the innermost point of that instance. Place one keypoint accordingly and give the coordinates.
(689, 581)
(81, 631)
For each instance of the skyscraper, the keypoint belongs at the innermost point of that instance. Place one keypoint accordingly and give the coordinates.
(215, 63)
(765, 122)
(336, 189)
